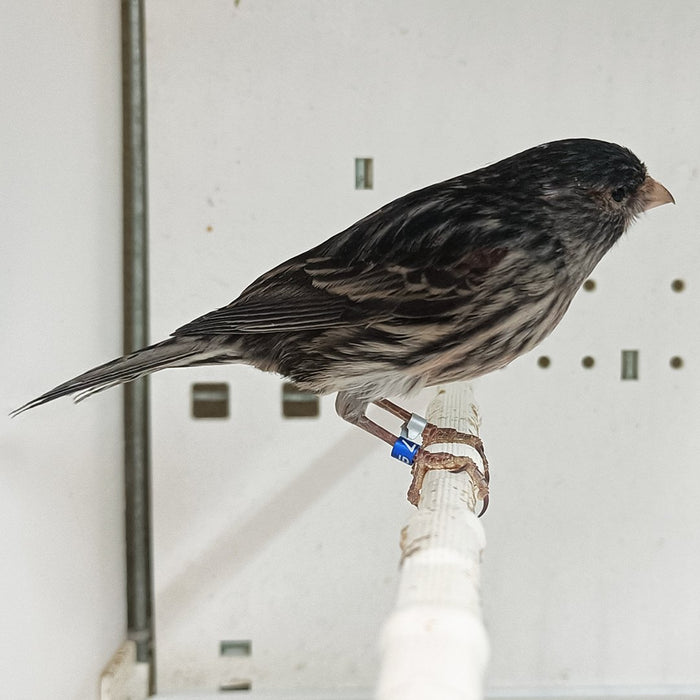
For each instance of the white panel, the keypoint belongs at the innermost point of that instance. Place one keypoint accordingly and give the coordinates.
(285, 532)
(62, 607)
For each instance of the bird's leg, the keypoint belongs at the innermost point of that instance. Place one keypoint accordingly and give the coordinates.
(417, 434)
(374, 429)
(395, 410)
(353, 410)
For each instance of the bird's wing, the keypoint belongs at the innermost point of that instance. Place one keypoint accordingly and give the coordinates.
(320, 292)
(421, 255)
(285, 309)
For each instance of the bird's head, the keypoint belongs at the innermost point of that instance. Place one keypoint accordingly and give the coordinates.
(608, 176)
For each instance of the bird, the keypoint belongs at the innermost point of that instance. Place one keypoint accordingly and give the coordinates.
(446, 283)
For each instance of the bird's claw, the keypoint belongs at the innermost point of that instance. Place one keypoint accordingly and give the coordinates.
(434, 434)
(427, 461)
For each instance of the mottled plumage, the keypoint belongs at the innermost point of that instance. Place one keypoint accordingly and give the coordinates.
(446, 283)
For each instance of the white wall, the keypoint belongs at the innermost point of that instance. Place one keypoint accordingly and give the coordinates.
(285, 532)
(257, 110)
(62, 605)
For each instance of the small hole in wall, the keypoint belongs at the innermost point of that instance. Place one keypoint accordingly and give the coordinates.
(236, 685)
(543, 361)
(210, 400)
(235, 647)
(589, 285)
(297, 403)
(364, 173)
(678, 285)
(587, 361)
(629, 364)
(676, 362)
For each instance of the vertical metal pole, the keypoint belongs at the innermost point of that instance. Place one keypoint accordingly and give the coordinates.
(136, 406)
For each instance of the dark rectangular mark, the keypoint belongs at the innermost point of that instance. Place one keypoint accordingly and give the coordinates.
(297, 403)
(630, 364)
(364, 173)
(210, 400)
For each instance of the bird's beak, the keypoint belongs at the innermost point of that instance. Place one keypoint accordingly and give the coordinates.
(654, 194)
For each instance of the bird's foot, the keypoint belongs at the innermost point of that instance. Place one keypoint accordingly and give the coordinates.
(434, 434)
(428, 461)
(417, 434)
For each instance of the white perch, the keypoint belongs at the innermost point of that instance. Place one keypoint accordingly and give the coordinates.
(434, 645)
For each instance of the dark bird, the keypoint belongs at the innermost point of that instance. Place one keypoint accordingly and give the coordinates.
(445, 283)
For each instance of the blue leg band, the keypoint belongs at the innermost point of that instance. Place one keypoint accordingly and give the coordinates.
(405, 450)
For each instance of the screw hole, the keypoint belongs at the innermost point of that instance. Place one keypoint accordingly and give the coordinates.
(678, 285)
(588, 362)
(589, 285)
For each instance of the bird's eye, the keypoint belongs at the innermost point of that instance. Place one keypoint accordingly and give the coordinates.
(619, 194)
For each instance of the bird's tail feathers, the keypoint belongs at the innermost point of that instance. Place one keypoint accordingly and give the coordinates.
(173, 352)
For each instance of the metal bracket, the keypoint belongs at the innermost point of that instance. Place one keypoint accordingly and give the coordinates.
(407, 446)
